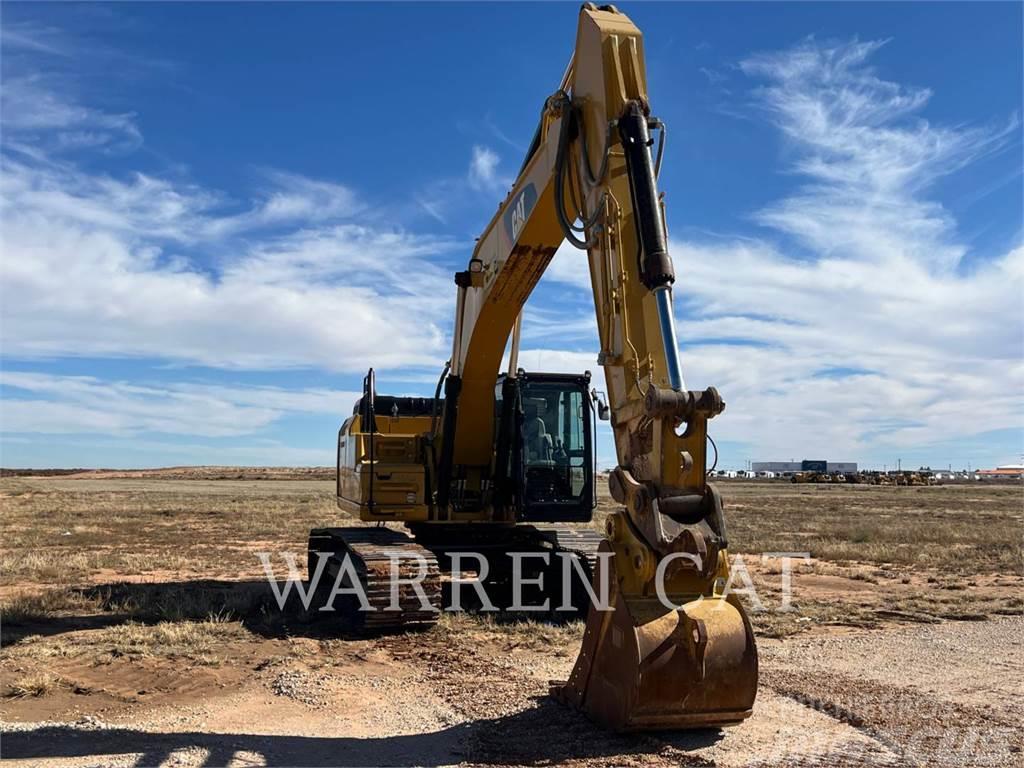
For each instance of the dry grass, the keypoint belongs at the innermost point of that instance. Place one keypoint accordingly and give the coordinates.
(195, 641)
(66, 531)
(149, 602)
(29, 608)
(33, 685)
(514, 632)
(187, 547)
(953, 529)
(184, 600)
(863, 596)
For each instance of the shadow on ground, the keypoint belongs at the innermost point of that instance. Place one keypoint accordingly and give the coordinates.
(545, 734)
(252, 602)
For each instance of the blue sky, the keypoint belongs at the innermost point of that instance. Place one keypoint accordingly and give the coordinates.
(215, 217)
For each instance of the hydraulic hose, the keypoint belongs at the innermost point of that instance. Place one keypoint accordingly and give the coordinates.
(437, 397)
(569, 230)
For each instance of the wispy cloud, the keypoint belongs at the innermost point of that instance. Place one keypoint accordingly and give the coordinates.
(448, 195)
(130, 451)
(143, 266)
(37, 116)
(868, 157)
(503, 137)
(713, 75)
(40, 114)
(99, 273)
(53, 404)
(852, 331)
(34, 38)
(288, 199)
(433, 208)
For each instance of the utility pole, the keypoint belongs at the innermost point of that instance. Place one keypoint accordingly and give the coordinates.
(899, 465)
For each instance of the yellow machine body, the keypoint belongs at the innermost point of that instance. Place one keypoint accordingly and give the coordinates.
(398, 474)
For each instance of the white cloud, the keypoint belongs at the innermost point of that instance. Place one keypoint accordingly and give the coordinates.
(132, 452)
(483, 169)
(868, 336)
(867, 156)
(569, 265)
(73, 292)
(555, 360)
(98, 266)
(290, 199)
(53, 404)
(36, 116)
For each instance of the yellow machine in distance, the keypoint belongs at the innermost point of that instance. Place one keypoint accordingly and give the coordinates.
(495, 464)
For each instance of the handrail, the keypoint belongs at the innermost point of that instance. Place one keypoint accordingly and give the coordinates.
(369, 418)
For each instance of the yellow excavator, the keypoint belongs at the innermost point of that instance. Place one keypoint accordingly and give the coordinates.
(504, 462)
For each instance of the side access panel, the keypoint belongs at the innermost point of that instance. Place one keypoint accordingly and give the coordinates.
(391, 487)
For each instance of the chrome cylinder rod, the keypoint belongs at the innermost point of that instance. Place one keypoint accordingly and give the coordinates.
(663, 295)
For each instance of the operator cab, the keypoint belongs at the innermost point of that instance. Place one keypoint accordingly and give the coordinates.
(544, 458)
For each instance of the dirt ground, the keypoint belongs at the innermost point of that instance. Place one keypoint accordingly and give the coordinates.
(138, 630)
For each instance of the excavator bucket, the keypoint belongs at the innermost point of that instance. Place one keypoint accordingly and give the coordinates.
(644, 666)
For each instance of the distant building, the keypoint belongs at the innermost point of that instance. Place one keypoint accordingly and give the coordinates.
(842, 466)
(1011, 471)
(807, 465)
(776, 466)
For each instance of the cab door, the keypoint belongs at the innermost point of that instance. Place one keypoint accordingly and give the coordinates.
(556, 475)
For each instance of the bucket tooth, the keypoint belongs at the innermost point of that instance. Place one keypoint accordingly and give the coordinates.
(645, 666)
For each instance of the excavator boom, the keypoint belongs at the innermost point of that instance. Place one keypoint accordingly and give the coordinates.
(688, 660)
(675, 649)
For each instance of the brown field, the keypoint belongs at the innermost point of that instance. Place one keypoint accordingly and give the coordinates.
(138, 630)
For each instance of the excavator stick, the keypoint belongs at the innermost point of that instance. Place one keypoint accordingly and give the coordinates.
(646, 666)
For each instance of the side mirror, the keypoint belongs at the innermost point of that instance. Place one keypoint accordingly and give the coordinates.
(604, 413)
